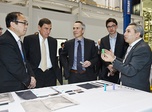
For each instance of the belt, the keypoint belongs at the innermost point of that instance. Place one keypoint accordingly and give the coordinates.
(75, 71)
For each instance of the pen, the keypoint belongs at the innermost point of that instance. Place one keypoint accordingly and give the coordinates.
(3, 104)
(68, 91)
(81, 62)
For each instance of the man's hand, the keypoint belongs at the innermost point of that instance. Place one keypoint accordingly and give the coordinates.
(108, 56)
(112, 70)
(86, 64)
(32, 83)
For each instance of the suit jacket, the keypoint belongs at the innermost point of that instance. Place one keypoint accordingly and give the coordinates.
(120, 50)
(136, 68)
(90, 54)
(12, 68)
(33, 53)
(60, 50)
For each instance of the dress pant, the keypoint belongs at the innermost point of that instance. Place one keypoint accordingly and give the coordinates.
(46, 78)
(77, 77)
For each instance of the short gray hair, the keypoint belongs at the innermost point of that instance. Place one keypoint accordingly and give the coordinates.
(83, 25)
(138, 28)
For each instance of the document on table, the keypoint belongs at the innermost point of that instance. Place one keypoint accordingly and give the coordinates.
(88, 86)
(6, 98)
(44, 92)
(4, 111)
(49, 104)
(26, 95)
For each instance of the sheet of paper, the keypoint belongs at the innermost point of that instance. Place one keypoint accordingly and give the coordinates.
(47, 91)
(49, 104)
(5, 98)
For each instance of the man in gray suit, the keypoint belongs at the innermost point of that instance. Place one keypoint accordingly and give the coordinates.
(135, 67)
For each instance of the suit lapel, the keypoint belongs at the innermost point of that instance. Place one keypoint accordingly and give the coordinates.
(72, 49)
(50, 48)
(132, 49)
(15, 45)
(107, 41)
(117, 46)
(38, 47)
(135, 46)
(85, 47)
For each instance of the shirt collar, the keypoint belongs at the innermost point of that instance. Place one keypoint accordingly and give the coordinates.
(79, 40)
(135, 42)
(14, 35)
(113, 37)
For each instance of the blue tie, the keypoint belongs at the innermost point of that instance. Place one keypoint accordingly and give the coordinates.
(22, 54)
(79, 57)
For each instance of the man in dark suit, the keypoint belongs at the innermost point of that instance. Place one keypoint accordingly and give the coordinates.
(60, 50)
(41, 52)
(114, 41)
(135, 67)
(82, 49)
(15, 72)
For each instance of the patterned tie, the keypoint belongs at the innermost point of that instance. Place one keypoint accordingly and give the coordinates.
(43, 56)
(20, 45)
(79, 57)
(128, 50)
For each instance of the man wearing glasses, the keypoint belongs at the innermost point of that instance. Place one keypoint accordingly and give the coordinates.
(16, 73)
(113, 41)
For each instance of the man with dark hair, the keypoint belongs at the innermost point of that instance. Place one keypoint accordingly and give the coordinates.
(79, 56)
(60, 50)
(41, 52)
(136, 65)
(115, 42)
(15, 72)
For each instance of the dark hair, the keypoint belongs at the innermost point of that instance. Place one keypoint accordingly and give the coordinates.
(62, 43)
(83, 25)
(111, 20)
(13, 16)
(44, 21)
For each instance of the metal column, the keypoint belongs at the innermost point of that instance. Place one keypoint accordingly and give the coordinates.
(126, 13)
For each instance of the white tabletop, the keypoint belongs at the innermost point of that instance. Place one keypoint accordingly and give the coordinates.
(122, 99)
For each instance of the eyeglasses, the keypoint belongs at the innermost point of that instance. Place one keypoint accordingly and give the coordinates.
(25, 22)
(111, 26)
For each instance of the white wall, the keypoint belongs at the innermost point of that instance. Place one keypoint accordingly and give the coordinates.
(62, 23)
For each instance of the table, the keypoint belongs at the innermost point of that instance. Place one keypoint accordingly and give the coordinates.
(120, 99)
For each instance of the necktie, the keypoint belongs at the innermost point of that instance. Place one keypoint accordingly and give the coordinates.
(128, 50)
(43, 56)
(79, 57)
(22, 54)
(21, 51)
